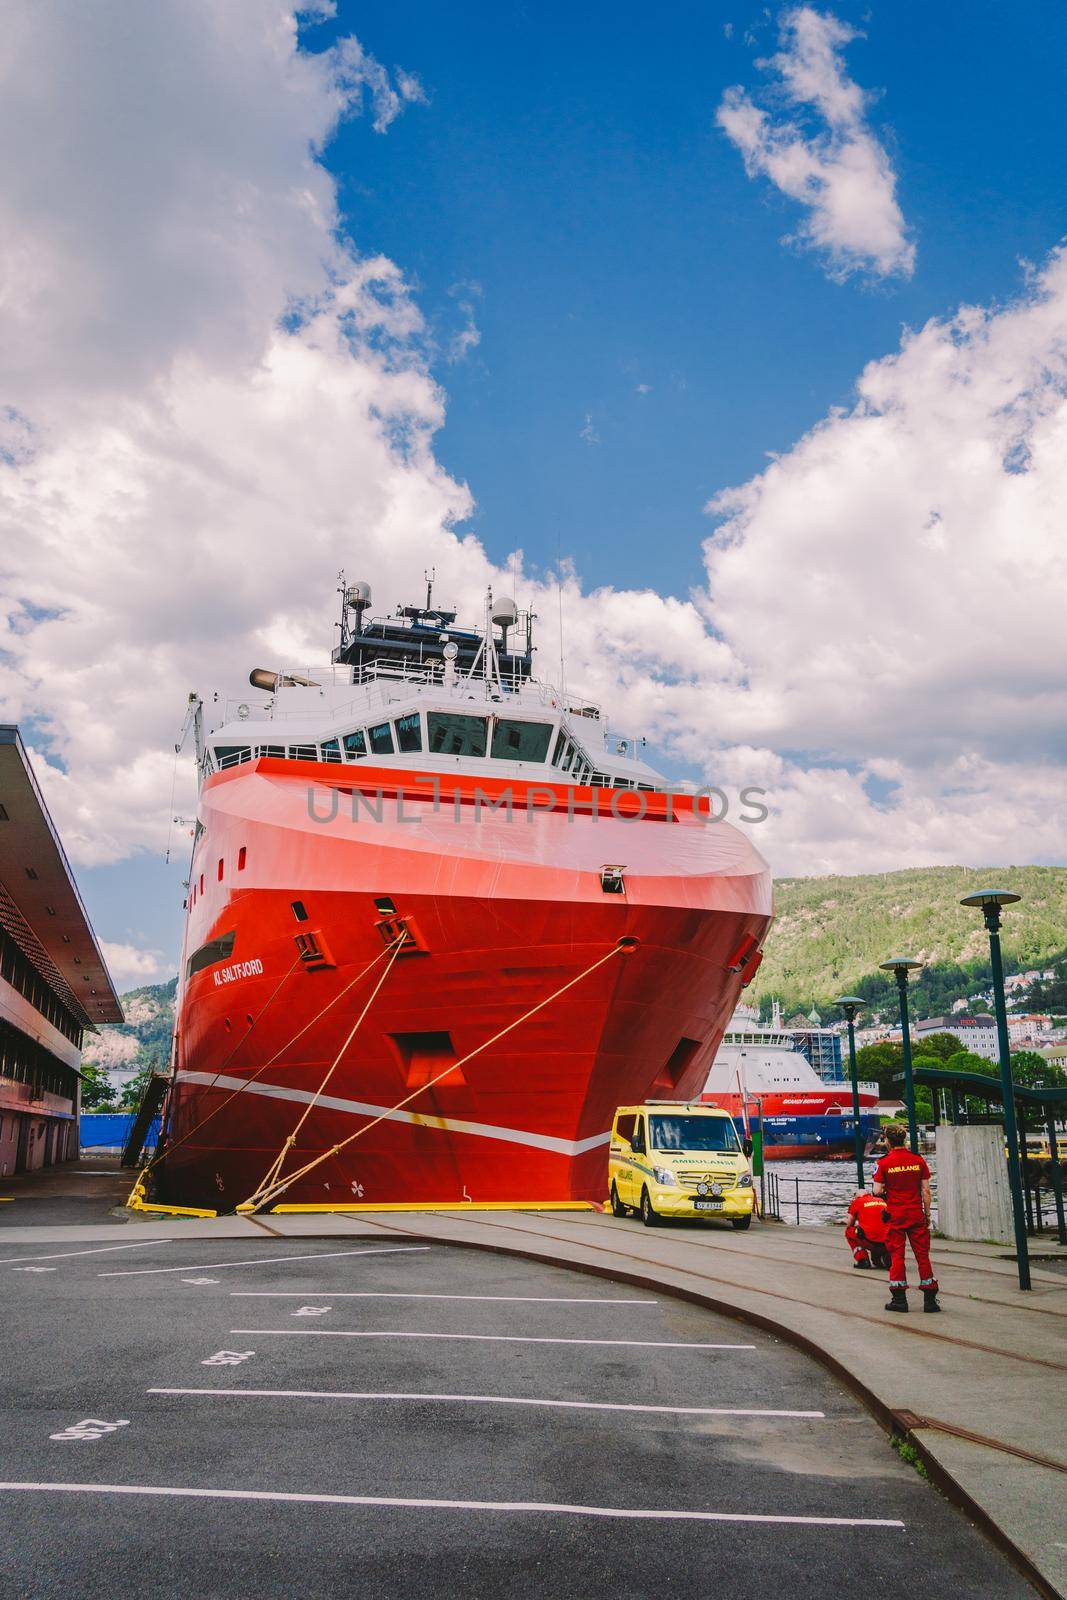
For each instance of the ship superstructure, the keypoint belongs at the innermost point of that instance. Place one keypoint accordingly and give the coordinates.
(432, 893)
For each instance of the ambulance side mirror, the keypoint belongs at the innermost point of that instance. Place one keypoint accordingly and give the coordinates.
(746, 1147)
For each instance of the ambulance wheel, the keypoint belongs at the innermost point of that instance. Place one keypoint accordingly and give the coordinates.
(741, 1223)
(649, 1217)
(617, 1207)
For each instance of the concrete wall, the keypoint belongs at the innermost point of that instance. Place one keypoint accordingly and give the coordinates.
(973, 1198)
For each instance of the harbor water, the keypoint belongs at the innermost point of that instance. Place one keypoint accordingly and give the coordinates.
(821, 1189)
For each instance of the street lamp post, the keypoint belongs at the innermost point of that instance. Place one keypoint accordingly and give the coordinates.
(850, 1004)
(990, 903)
(900, 966)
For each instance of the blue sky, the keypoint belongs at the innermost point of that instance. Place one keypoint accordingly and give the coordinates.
(568, 163)
(595, 313)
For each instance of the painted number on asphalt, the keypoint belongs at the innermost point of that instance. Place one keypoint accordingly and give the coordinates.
(90, 1428)
(312, 1311)
(200, 1280)
(227, 1358)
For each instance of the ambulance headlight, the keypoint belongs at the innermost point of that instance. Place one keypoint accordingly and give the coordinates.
(664, 1177)
(745, 1181)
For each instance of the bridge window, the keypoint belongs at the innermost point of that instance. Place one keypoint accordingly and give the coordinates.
(409, 732)
(355, 745)
(521, 741)
(381, 739)
(230, 755)
(561, 745)
(451, 735)
(303, 752)
(211, 952)
(331, 750)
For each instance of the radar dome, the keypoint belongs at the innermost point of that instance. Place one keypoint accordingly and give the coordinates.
(358, 595)
(505, 612)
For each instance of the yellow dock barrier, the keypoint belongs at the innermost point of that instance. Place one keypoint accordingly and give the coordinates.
(137, 1202)
(445, 1205)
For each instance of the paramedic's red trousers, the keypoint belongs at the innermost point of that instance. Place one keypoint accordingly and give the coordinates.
(858, 1242)
(914, 1228)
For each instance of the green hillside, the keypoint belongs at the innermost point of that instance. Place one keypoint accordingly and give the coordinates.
(144, 1038)
(831, 933)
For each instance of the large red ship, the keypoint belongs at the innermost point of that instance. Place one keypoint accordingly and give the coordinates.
(441, 922)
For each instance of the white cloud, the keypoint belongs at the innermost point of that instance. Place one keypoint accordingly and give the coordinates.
(588, 430)
(129, 964)
(229, 403)
(841, 173)
(468, 337)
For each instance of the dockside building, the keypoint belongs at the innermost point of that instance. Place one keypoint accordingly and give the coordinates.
(54, 984)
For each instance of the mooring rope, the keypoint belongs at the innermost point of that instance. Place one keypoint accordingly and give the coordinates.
(274, 1171)
(163, 1154)
(268, 1194)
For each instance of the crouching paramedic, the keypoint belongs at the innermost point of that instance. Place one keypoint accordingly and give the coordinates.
(903, 1178)
(865, 1230)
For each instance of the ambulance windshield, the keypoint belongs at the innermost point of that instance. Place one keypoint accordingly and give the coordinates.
(693, 1133)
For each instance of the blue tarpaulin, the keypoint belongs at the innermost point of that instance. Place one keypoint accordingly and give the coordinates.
(109, 1130)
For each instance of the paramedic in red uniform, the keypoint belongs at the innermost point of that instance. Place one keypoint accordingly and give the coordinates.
(865, 1230)
(903, 1178)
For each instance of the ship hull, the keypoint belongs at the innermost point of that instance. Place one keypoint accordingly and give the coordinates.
(804, 1128)
(497, 916)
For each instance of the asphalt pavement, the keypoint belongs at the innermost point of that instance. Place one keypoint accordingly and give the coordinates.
(330, 1416)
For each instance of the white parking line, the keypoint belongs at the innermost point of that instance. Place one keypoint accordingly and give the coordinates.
(104, 1250)
(268, 1261)
(484, 1338)
(382, 1294)
(493, 1400)
(545, 1507)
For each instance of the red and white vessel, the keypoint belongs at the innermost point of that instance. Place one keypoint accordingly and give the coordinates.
(760, 1076)
(426, 813)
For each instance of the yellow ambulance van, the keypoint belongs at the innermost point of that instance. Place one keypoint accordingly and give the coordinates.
(673, 1159)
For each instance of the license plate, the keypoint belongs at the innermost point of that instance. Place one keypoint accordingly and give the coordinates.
(707, 1205)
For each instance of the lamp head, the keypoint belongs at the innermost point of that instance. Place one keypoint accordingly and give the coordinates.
(990, 902)
(990, 897)
(900, 966)
(850, 1004)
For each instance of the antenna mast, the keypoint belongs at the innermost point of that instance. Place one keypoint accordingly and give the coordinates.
(559, 593)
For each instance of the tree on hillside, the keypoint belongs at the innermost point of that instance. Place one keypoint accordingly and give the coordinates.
(877, 1063)
(942, 1046)
(97, 1093)
(131, 1094)
(1034, 1072)
(967, 1061)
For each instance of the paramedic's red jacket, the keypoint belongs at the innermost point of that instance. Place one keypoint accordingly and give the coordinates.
(866, 1211)
(903, 1174)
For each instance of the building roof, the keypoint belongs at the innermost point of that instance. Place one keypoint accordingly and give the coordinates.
(40, 906)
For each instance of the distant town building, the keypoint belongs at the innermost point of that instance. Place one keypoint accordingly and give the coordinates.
(53, 982)
(978, 1033)
(1029, 1028)
(1024, 980)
